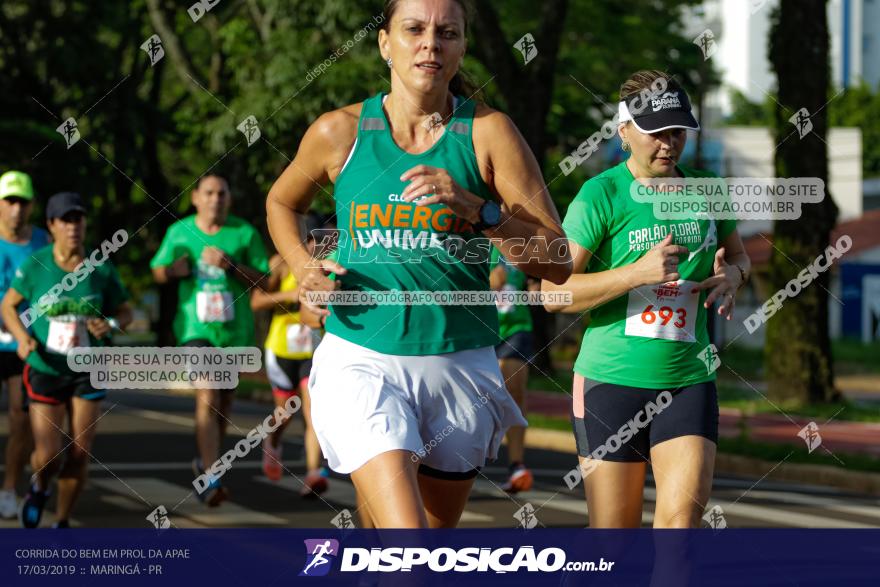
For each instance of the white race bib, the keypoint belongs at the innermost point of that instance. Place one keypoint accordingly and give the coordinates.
(66, 334)
(300, 339)
(214, 306)
(667, 311)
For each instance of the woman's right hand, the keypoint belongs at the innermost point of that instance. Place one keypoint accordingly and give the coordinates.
(660, 264)
(25, 347)
(314, 278)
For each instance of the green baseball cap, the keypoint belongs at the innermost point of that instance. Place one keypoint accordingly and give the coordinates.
(16, 184)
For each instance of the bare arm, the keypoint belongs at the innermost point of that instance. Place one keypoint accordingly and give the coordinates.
(310, 318)
(99, 327)
(179, 269)
(9, 312)
(735, 253)
(124, 315)
(321, 155)
(272, 297)
(497, 278)
(727, 278)
(250, 277)
(588, 290)
(528, 211)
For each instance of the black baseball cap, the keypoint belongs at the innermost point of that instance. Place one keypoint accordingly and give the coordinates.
(670, 108)
(63, 203)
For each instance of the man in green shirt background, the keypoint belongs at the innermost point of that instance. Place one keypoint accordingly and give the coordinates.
(216, 258)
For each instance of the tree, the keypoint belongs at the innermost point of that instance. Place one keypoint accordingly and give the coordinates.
(797, 353)
(167, 124)
(858, 106)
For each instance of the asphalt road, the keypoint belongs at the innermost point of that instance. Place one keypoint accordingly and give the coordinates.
(145, 444)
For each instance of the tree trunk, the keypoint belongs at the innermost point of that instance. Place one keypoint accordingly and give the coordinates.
(156, 184)
(528, 93)
(797, 352)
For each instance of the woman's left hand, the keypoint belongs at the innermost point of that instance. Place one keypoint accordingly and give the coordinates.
(98, 327)
(724, 284)
(440, 188)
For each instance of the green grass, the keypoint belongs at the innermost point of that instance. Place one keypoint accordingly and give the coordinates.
(560, 383)
(799, 454)
(247, 387)
(750, 402)
(852, 357)
(548, 422)
(746, 362)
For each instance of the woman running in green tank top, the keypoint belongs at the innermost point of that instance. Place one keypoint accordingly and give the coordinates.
(407, 397)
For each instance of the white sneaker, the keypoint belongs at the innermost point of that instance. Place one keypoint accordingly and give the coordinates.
(8, 505)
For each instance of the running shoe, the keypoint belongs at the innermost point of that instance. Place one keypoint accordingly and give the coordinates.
(271, 460)
(215, 493)
(8, 505)
(520, 479)
(315, 483)
(32, 508)
(61, 524)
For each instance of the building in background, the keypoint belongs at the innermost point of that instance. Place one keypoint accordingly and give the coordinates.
(747, 151)
(741, 30)
(854, 304)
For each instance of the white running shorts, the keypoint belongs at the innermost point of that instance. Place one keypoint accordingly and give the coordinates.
(451, 410)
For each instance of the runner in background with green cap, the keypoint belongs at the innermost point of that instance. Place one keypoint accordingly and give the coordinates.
(216, 258)
(18, 240)
(514, 354)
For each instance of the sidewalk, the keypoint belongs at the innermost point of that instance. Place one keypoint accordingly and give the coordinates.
(837, 436)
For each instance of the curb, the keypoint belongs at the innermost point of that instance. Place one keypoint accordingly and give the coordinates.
(731, 464)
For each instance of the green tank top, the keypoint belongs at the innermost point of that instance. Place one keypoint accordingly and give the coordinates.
(390, 245)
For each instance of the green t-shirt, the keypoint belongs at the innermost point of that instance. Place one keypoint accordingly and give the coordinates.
(213, 305)
(59, 324)
(512, 318)
(651, 337)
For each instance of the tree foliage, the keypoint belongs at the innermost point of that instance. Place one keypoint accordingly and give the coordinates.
(856, 106)
(148, 132)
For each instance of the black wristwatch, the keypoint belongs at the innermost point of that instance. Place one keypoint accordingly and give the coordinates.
(490, 216)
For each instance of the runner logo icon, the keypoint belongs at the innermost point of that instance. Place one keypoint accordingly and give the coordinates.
(320, 554)
(810, 434)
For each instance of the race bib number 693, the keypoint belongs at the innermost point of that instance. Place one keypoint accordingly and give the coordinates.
(667, 311)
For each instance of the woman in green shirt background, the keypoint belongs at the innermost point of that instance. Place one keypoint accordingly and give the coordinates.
(89, 306)
(641, 392)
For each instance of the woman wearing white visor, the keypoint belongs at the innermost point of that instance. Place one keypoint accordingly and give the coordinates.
(642, 390)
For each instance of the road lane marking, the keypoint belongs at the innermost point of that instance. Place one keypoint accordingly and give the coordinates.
(342, 492)
(157, 492)
(544, 500)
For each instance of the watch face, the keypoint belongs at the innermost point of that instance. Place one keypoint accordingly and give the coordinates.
(490, 213)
